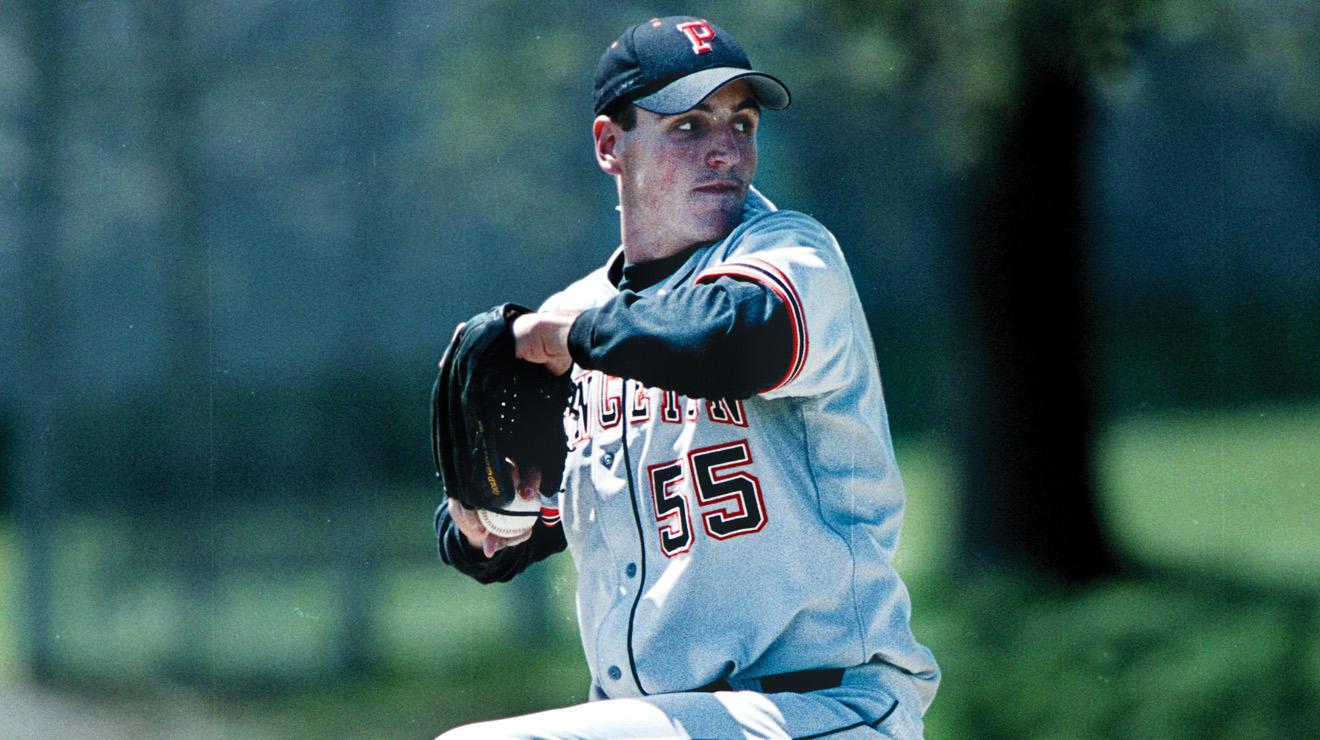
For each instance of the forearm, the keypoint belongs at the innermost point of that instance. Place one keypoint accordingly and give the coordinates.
(726, 339)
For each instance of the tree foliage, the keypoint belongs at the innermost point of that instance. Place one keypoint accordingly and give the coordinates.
(956, 62)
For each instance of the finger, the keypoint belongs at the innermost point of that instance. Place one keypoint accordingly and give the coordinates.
(560, 365)
(515, 474)
(543, 339)
(462, 515)
(527, 342)
(468, 524)
(531, 487)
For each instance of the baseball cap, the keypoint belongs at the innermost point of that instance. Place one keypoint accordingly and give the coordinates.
(667, 65)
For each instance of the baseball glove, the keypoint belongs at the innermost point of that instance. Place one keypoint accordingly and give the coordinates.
(487, 405)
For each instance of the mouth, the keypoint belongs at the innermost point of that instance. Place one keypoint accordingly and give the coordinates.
(719, 187)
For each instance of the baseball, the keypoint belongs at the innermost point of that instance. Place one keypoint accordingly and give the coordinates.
(504, 525)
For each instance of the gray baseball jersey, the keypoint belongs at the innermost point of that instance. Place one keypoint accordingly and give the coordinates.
(736, 539)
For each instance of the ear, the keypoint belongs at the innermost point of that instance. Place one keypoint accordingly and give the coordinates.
(608, 138)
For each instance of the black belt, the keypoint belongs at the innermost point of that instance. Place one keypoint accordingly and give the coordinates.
(798, 682)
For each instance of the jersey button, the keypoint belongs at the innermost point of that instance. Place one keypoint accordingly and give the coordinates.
(631, 570)
(607, 459)
(614, 673)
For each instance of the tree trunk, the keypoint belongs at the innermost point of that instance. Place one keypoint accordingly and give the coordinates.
(1029, 499)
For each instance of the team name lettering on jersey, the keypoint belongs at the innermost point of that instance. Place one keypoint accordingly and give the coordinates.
(598, 404)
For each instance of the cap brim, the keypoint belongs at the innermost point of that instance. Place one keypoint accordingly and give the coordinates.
(685, 92)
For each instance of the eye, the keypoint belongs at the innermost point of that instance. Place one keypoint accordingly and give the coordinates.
(688, 125)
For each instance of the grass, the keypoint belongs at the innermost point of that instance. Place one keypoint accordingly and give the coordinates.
(1166, 654)
(1232, 490)
(1214, 633)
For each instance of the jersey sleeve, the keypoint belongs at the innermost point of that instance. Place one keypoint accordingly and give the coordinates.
(586, 292)
(798, 260)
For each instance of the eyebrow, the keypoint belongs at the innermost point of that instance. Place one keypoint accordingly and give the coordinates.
(747, 103)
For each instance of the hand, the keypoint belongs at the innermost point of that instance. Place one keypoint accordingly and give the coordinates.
(543, 338)
(477, 535)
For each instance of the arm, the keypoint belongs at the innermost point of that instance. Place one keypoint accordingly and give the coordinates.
(728, 338)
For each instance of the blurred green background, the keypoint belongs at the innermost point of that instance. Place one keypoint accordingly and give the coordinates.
(235, 236)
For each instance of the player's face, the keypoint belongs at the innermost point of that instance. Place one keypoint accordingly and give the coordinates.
(684, 177)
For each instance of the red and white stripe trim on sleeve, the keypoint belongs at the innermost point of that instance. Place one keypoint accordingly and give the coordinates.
(765, 273)
(549, 515)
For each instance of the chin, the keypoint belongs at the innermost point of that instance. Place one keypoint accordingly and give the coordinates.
(717, 224)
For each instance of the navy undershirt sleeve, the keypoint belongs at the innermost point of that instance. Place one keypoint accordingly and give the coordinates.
(730, 338)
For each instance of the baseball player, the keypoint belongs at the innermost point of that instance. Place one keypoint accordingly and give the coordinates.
(730, 496)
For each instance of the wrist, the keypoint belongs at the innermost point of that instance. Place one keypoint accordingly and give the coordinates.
(580, 337)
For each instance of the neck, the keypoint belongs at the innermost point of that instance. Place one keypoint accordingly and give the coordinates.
(642, 241)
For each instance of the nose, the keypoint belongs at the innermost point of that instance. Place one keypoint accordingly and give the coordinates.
(724, 150)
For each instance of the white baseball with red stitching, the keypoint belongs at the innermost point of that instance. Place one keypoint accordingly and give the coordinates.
(503, 525)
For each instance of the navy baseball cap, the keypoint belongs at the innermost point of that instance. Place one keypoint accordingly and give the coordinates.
(667, 65)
